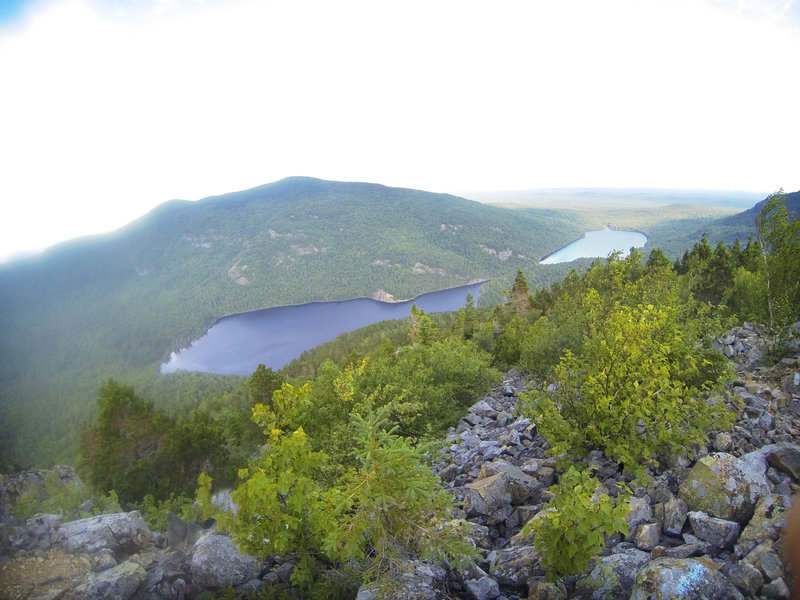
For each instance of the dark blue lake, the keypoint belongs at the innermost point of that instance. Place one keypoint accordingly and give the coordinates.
(237, 344)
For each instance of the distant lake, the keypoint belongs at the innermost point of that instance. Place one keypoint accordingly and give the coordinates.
(597, 243)
(237, 344)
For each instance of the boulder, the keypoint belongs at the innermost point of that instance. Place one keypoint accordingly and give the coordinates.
(675, 513)
(515, 565)
(119, 582)
(216, 562)
(484, 588)
(784, 457)
(613, 576)
(120, 534)
(413, 581)
(640, 511)
(688, 579)
(546, 590)
(765, 558)
(486, 496)
(767, 523)
(723, 486)
(776, 589)
(182, 534)
(745, 577)
(720, 533)
(483, 409)
(646, 536)
(522, 485)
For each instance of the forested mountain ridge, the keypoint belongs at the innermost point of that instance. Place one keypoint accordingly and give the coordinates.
(118, 304)
(112, 304)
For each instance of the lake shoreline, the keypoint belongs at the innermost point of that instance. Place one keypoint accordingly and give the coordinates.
(585, 236)
(274, 336)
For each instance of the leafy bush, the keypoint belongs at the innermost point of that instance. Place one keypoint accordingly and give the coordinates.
(630, 392)
(58, 497)
(389, 504)
(573, 527)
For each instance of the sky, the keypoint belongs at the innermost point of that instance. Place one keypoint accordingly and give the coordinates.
(111, 107)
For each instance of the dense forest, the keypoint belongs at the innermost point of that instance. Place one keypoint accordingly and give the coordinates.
(117, 305)
(329, 457)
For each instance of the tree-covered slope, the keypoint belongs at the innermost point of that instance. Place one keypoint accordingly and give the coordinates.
(118, 303)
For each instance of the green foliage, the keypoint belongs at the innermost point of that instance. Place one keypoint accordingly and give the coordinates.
(631, 391)
(391, 504)
(387, 504)
(136, 450)
(779, 237)
(59, 497)
(154, 512)
(575, 522)
(427, 387)
(262, 383)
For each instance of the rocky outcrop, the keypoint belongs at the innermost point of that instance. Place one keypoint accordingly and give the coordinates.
(117, 556)
(706, 529)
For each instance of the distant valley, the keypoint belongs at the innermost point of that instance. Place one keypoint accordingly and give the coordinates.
(118, 304)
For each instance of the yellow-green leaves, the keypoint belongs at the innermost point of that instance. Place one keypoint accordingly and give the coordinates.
(629, 392)
(571, 530)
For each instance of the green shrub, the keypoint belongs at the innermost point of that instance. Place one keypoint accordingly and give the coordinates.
(631, 392)
(573, 527)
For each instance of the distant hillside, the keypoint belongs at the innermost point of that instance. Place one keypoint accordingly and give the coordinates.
(742, 225)
(747, 218)
(118, 304)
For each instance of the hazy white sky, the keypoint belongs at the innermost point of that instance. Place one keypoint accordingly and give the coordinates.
(110, 107)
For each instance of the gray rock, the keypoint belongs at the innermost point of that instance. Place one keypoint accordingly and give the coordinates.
(546, 590)
(786, 458)
(675, 513)
(224, 502)
(688, 579)
(483, 409)
(686, 550)
(38, 533)
(640, 512)
(469, 440)
(485, 496)
(515, 565)
(745, 577)
(726, 487)
(252, 587)
(720, 533)
(182, 534)
(217, 563)
(613, 576)
(646, 536)
(117, 583)
(776, 589)
(484, 588)
(767, 523)
(118, 533)
(766, 560)
(414, 581)
(522, 486)
(723, 442)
